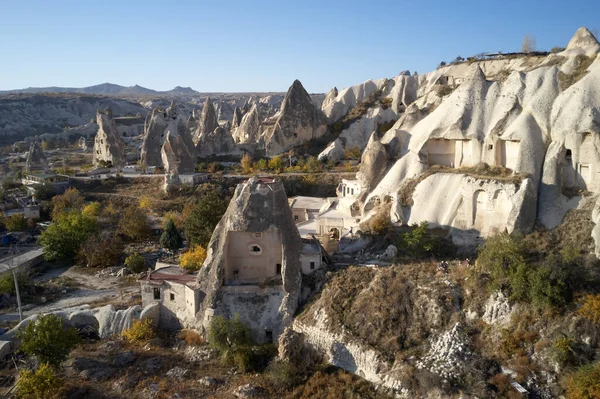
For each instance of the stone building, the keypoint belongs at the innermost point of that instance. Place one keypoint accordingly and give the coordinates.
(253, 265)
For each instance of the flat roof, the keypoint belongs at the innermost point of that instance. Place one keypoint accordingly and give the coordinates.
(307, 202)
(171, 273)
(42, 175)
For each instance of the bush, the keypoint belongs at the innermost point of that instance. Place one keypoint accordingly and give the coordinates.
(246, 163)
(352, 153)
(135, 262)
(15, 223)
(193, 259)
(140, 331)
(563, 350)
(7, 282)
(232, 339)
(91, 210)
(501, 256)
(104, 250)
(590, 308)
(276, 164)
(192, 338)
(70, 200)
(63, 239)
(134, 224)
(584, 383)
(47, 339)
(170, 238)
(444, 90)
(418, 242)
(39, 384)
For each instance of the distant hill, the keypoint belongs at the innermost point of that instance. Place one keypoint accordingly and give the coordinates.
(109, 89)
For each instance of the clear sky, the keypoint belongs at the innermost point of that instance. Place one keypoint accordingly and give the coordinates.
(263, 45)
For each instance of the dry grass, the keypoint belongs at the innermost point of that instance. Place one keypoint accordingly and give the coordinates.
(567, 80)
(192, 338)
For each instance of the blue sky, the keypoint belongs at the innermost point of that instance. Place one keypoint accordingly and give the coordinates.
(227, 45)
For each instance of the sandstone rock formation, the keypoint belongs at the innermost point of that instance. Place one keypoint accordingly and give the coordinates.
(108, 145)
(298, 122)
(178, 152)
(583, 42)
(253, 261)
(36, 159)
(208, 121)
(217, 142)
(237, 118)
(248, 131)
(335, 107)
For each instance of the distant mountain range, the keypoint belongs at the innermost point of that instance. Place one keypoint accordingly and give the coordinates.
(108, 89)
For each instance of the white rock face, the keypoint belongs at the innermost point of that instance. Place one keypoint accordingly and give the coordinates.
(497, 309)
(336, 107)
(178, 153)
(108, 145)
(36, 159)
(249, 129)
(582, 43)
(358, 134)
(208, 122)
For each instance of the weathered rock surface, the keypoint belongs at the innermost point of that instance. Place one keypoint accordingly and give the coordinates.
(237, 118)
(583, 42)
(218, 142)
(259, 208)
(108, 145)
(178, 152)
(299, 121)
(249, 129)
(36, 159)
(208, 122)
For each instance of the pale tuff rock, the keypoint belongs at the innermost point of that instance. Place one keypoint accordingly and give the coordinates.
(497, 309)
(336, 107)
(178, 152)
(358, 134)
(191, 124)
(217, 142)
(374, 163)
(330, 97)
(154, 137)
(208, 121)
(447, 354)
(36, 159)
(237, 118)
(255, 242)
(108, 145)
(583, 42)
(299, 121)
(248, 131)
(403, 92)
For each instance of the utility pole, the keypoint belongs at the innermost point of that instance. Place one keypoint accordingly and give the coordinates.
(15, 252)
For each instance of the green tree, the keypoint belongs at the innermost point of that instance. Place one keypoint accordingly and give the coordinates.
(135, 262)
(134, 224)
(63, 239)
(203, 218)
(276, 164)
(170, 238)
(48, 340)
(501, 256)
(418, 242)
(15, 223)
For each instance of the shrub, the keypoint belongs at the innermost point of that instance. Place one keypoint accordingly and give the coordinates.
(590, 308)
(7, 282)
(63, 239)
(260, 165)
(140, 331)
(246, 163)
(192, 337)
(135, 262)
(352, 153)
(15, 223)
(418, 242)
(276, 164)
(48, 340)
(104, 250)
(444, 90)
(501, 256)
(232, 339)
(39, 384)
(170, 237)
(193, 259)
(91, 210)
(563, 350)
(584, 383)
(70, 200)
(134, 224)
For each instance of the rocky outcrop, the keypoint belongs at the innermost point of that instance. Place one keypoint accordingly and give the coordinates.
(36, 159)
(237, 118)
(108, 145)
(583, 42)
(218, 142)
(178, 153)
(248, 131)
(256, 242)
(336, 107)
(299, 121)
(208, 122)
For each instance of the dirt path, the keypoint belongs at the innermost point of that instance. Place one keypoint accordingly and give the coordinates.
(90, 289)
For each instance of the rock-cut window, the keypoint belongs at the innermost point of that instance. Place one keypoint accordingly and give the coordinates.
(255, 249)
(156, 292)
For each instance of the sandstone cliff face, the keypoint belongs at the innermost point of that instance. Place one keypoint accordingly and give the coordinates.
(36, 159)
(217, 142)
(258, 212)
(237, 118)
(208, 121)
(154, 137)
(299, 121)
(108, 145)
(248, 131)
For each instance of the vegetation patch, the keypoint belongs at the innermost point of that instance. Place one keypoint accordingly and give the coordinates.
(582, 64)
